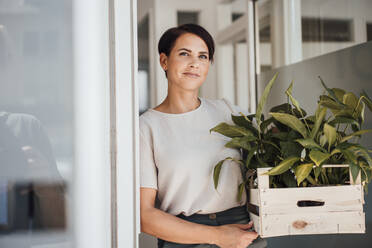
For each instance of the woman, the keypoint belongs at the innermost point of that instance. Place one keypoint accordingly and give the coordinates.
(178, 154)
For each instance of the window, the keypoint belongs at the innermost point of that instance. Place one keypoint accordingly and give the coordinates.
(369, 31)
(331, 30)
(184, 17)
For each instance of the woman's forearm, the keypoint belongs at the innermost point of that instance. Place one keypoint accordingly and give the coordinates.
(171, 228)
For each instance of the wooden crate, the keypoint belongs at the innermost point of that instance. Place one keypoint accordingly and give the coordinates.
(275, 211)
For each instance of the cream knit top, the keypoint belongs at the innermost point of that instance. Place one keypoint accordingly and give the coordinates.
(178, 155)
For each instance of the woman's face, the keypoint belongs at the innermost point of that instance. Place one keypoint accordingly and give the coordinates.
(188, 62)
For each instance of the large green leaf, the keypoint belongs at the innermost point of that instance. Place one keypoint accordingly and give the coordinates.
(328, 102)
(283, 166)
(302, 171)
(318, 157)
(310, 144)
(360, 151)
(339, 93)
(344, 120)
(290, 149)
(358, 133)
(331, 134)
(331, 92)
(231, 130)
(241, 142)
(263, 99)
(318, 122)
(292, 122)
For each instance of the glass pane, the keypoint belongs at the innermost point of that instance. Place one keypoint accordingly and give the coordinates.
(36, 122)
(322, 26)
(143, 65)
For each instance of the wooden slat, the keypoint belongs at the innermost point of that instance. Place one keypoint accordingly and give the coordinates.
(336, 198)
(257, 223)
(254, 196)
(263, 180)
(320, 223)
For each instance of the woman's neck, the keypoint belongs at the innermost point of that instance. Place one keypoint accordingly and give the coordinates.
(179, 103)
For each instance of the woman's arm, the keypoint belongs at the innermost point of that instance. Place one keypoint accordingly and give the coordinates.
(171, 228)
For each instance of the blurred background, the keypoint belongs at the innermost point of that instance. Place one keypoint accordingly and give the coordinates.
(300, 39)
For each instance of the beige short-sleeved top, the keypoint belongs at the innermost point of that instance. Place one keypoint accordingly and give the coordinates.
(178, 154)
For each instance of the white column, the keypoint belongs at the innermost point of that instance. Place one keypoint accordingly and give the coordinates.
(286, 35)
(91, 182)
(127, 133)
(242, 83)
(225, 58)
(251, 60)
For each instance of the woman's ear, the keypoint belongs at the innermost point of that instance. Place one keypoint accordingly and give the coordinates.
(164, 61)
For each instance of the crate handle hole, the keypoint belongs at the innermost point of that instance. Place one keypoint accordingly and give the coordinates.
(307, 203)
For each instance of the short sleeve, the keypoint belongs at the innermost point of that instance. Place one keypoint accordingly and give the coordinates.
(148, 172)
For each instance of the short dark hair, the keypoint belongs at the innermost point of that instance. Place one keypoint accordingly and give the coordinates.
(168, 39)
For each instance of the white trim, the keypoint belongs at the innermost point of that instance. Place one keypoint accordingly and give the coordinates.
(250, 39)
(91, 182)
(234, 32)
(127, 123)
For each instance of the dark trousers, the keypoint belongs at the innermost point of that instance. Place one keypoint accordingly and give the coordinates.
(237, 215)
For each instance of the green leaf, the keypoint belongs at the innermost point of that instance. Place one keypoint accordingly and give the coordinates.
(303, 171)
(318, 122)
(331, 92)
(335, 151)
(331, 134)
(266, 123)
(358, 133)
(231, 131)
(323, 140)
(216, 173)
(292, 122)
(250, 156)
(310, 144)
(367, 100)
(318, 157)
(293, 100)
(263, 99)
(240, 191)
(328, 102)
(339, 93)
(290, 149)
(344, 120)
(240, 142)
(241, 120)
(350, 156)
(355, 169)
(283, 166)
(218, 167)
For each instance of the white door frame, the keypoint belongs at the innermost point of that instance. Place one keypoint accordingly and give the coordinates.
(106, 176)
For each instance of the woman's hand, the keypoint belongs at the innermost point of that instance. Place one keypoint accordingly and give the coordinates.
(235, 235)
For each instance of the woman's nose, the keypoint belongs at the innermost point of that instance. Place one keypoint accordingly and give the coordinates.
(194, 63)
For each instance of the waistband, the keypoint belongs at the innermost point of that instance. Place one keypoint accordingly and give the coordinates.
(229, 212)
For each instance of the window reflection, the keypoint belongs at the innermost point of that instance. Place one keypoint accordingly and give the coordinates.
(36, 122)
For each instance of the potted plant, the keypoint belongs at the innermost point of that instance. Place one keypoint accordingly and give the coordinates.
(307, 159)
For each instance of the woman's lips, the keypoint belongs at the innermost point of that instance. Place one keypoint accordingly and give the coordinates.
(193, 75)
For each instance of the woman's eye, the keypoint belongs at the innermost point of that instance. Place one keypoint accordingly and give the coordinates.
(203, 56)
(184, 54)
